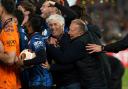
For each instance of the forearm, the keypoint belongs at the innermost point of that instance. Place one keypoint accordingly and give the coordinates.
(40, 58)
(115, 47)
(34, 61)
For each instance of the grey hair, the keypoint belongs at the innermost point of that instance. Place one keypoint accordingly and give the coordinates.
(82, 24)
(56, 17)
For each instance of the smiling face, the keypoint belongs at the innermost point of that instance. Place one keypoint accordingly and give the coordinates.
(45, 10)
(56, 28)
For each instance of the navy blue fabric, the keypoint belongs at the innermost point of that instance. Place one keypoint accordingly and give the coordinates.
(23, 38)
(36, 75)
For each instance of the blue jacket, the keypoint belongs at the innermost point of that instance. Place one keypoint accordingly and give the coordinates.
(37, 75)
(23, 38)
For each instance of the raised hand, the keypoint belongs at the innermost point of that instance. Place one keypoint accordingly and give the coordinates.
(52, 41)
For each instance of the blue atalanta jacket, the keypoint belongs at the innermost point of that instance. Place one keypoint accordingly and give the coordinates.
(37, 75)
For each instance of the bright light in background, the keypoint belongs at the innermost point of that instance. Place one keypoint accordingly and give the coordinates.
(101, 1)
(71, 2)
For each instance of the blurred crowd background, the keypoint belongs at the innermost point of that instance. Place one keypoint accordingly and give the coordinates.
(110, 15)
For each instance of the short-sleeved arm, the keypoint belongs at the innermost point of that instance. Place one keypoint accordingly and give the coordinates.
(10, 38)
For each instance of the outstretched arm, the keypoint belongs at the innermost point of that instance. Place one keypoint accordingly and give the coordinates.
(113, 47)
